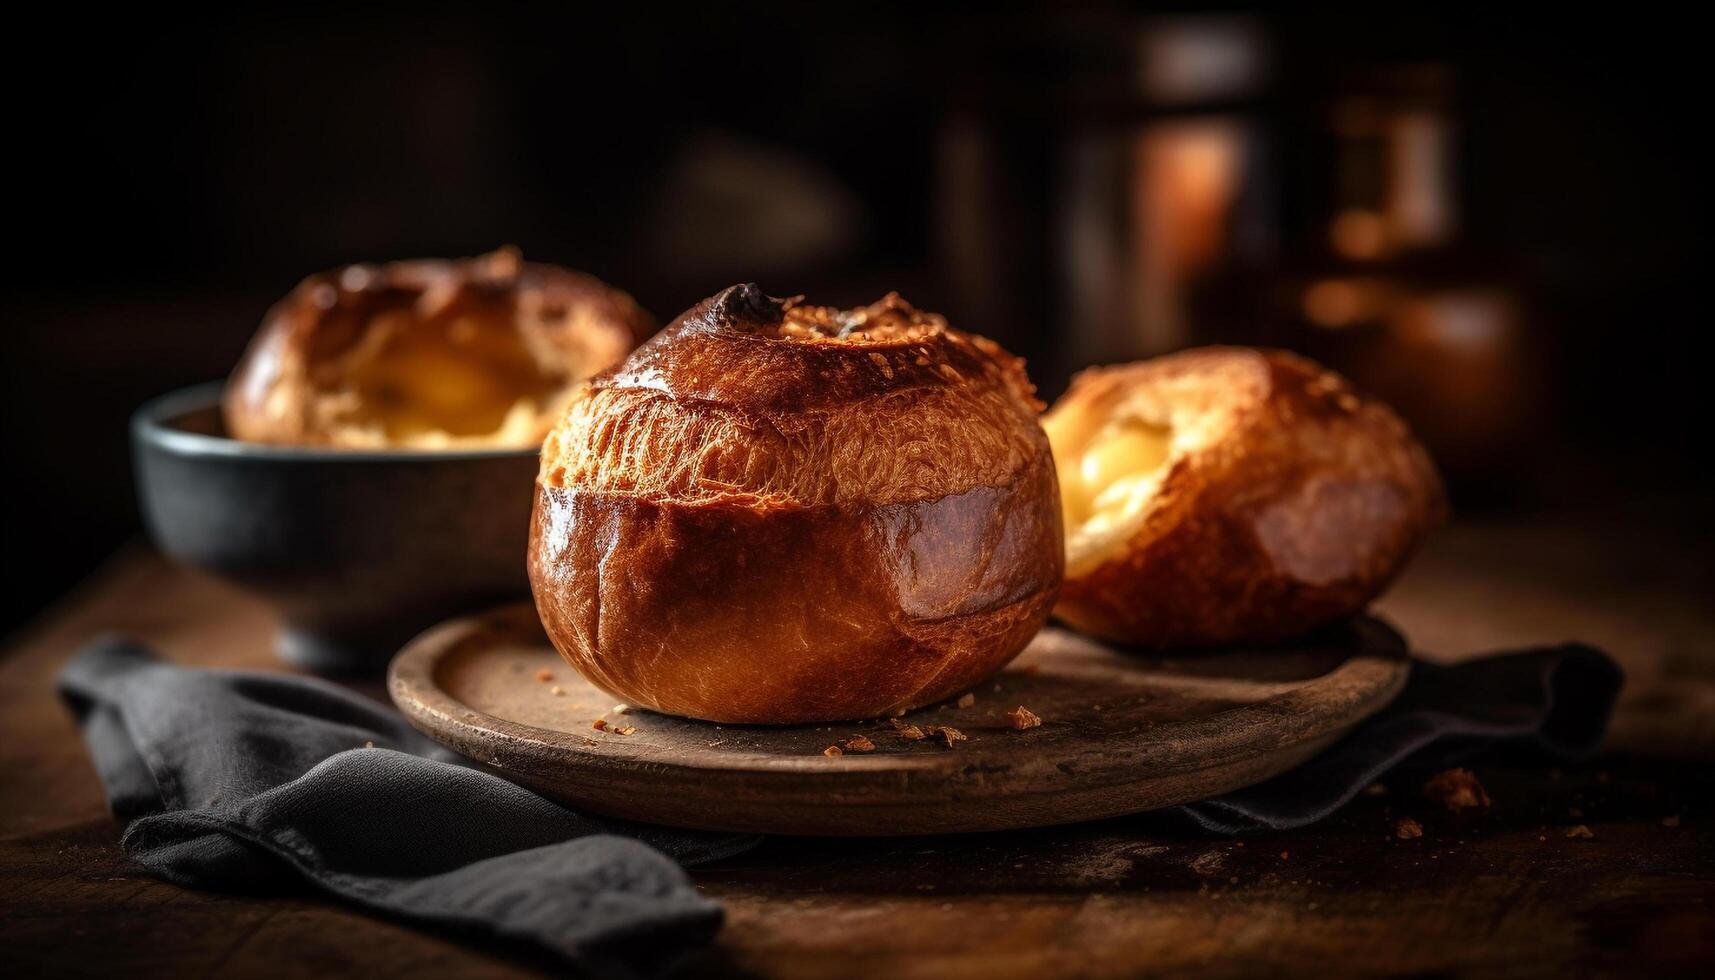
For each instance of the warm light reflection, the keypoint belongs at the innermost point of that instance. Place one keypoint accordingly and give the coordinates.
(1420, 204)
(1359, 234)
(1184, 59)
(1192, 172)
(1339, 303)
(1188, 176)
(1473, 321)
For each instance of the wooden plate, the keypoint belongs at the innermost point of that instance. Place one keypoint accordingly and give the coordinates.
(1121, 733)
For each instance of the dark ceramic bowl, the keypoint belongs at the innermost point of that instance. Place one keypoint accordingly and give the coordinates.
(359, 551)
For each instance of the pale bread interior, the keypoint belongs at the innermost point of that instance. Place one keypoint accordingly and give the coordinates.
(431, 385)
(1109, 469)
(1114, 445)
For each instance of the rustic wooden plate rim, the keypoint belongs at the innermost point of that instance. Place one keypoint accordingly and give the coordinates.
(1235, 734)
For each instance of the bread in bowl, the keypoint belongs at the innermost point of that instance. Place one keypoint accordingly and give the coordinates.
(775, 513)
(1227, 495)
(426, 354)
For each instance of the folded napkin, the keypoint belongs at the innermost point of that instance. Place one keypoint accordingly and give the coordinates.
(251, 781)
(243, 781)
(1545, 703)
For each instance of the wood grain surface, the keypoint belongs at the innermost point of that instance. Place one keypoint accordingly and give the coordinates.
(1503, 892)
(1121, 733)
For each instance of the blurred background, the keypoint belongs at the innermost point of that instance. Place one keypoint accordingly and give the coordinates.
(1489, 219)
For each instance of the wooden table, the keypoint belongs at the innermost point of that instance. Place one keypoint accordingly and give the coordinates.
(1509, 892)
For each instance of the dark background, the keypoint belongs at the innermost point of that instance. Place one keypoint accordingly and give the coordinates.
(174, 176)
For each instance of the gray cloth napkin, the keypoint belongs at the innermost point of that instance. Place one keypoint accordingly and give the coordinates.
(244, 781)
(250, 781)
(1545, 703)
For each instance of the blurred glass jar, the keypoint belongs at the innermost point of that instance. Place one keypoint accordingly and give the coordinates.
(1112, 188)
(1382, 287)
(1125, 199)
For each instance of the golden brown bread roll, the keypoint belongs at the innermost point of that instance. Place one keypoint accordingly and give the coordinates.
(1230, 495)
(776, 513)
(428, 354)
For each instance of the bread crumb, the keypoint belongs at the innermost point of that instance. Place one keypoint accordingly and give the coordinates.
(544, 675)
(1672, 821)
(1022, 718)
(833, 752)
(1407, 828)
(620, 708)
(1579, 832)
(948, 735)
(557, 691)
(627, 730)
(600, 724)
(857, 743)
(909, 731)
(1456, 790)
(967, 699)
(369, 745)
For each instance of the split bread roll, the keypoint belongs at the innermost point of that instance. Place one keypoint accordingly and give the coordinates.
(776, 513)
(1228, 495)
(428, 354)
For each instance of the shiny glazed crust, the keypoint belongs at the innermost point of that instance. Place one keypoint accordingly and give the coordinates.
(295, 382)
(774, 514)
(1288, 501)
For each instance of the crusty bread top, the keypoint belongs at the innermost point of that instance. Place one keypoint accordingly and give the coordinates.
(1206, 392)
(289, 386)
(1232, 411)
(758, 401)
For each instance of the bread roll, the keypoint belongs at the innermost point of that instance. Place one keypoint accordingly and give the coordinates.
(1229, 495)
(428, 354)
(775, 513)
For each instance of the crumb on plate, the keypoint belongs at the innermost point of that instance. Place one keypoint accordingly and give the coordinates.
(948, 734)
(906, 730)
(1022, 718)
